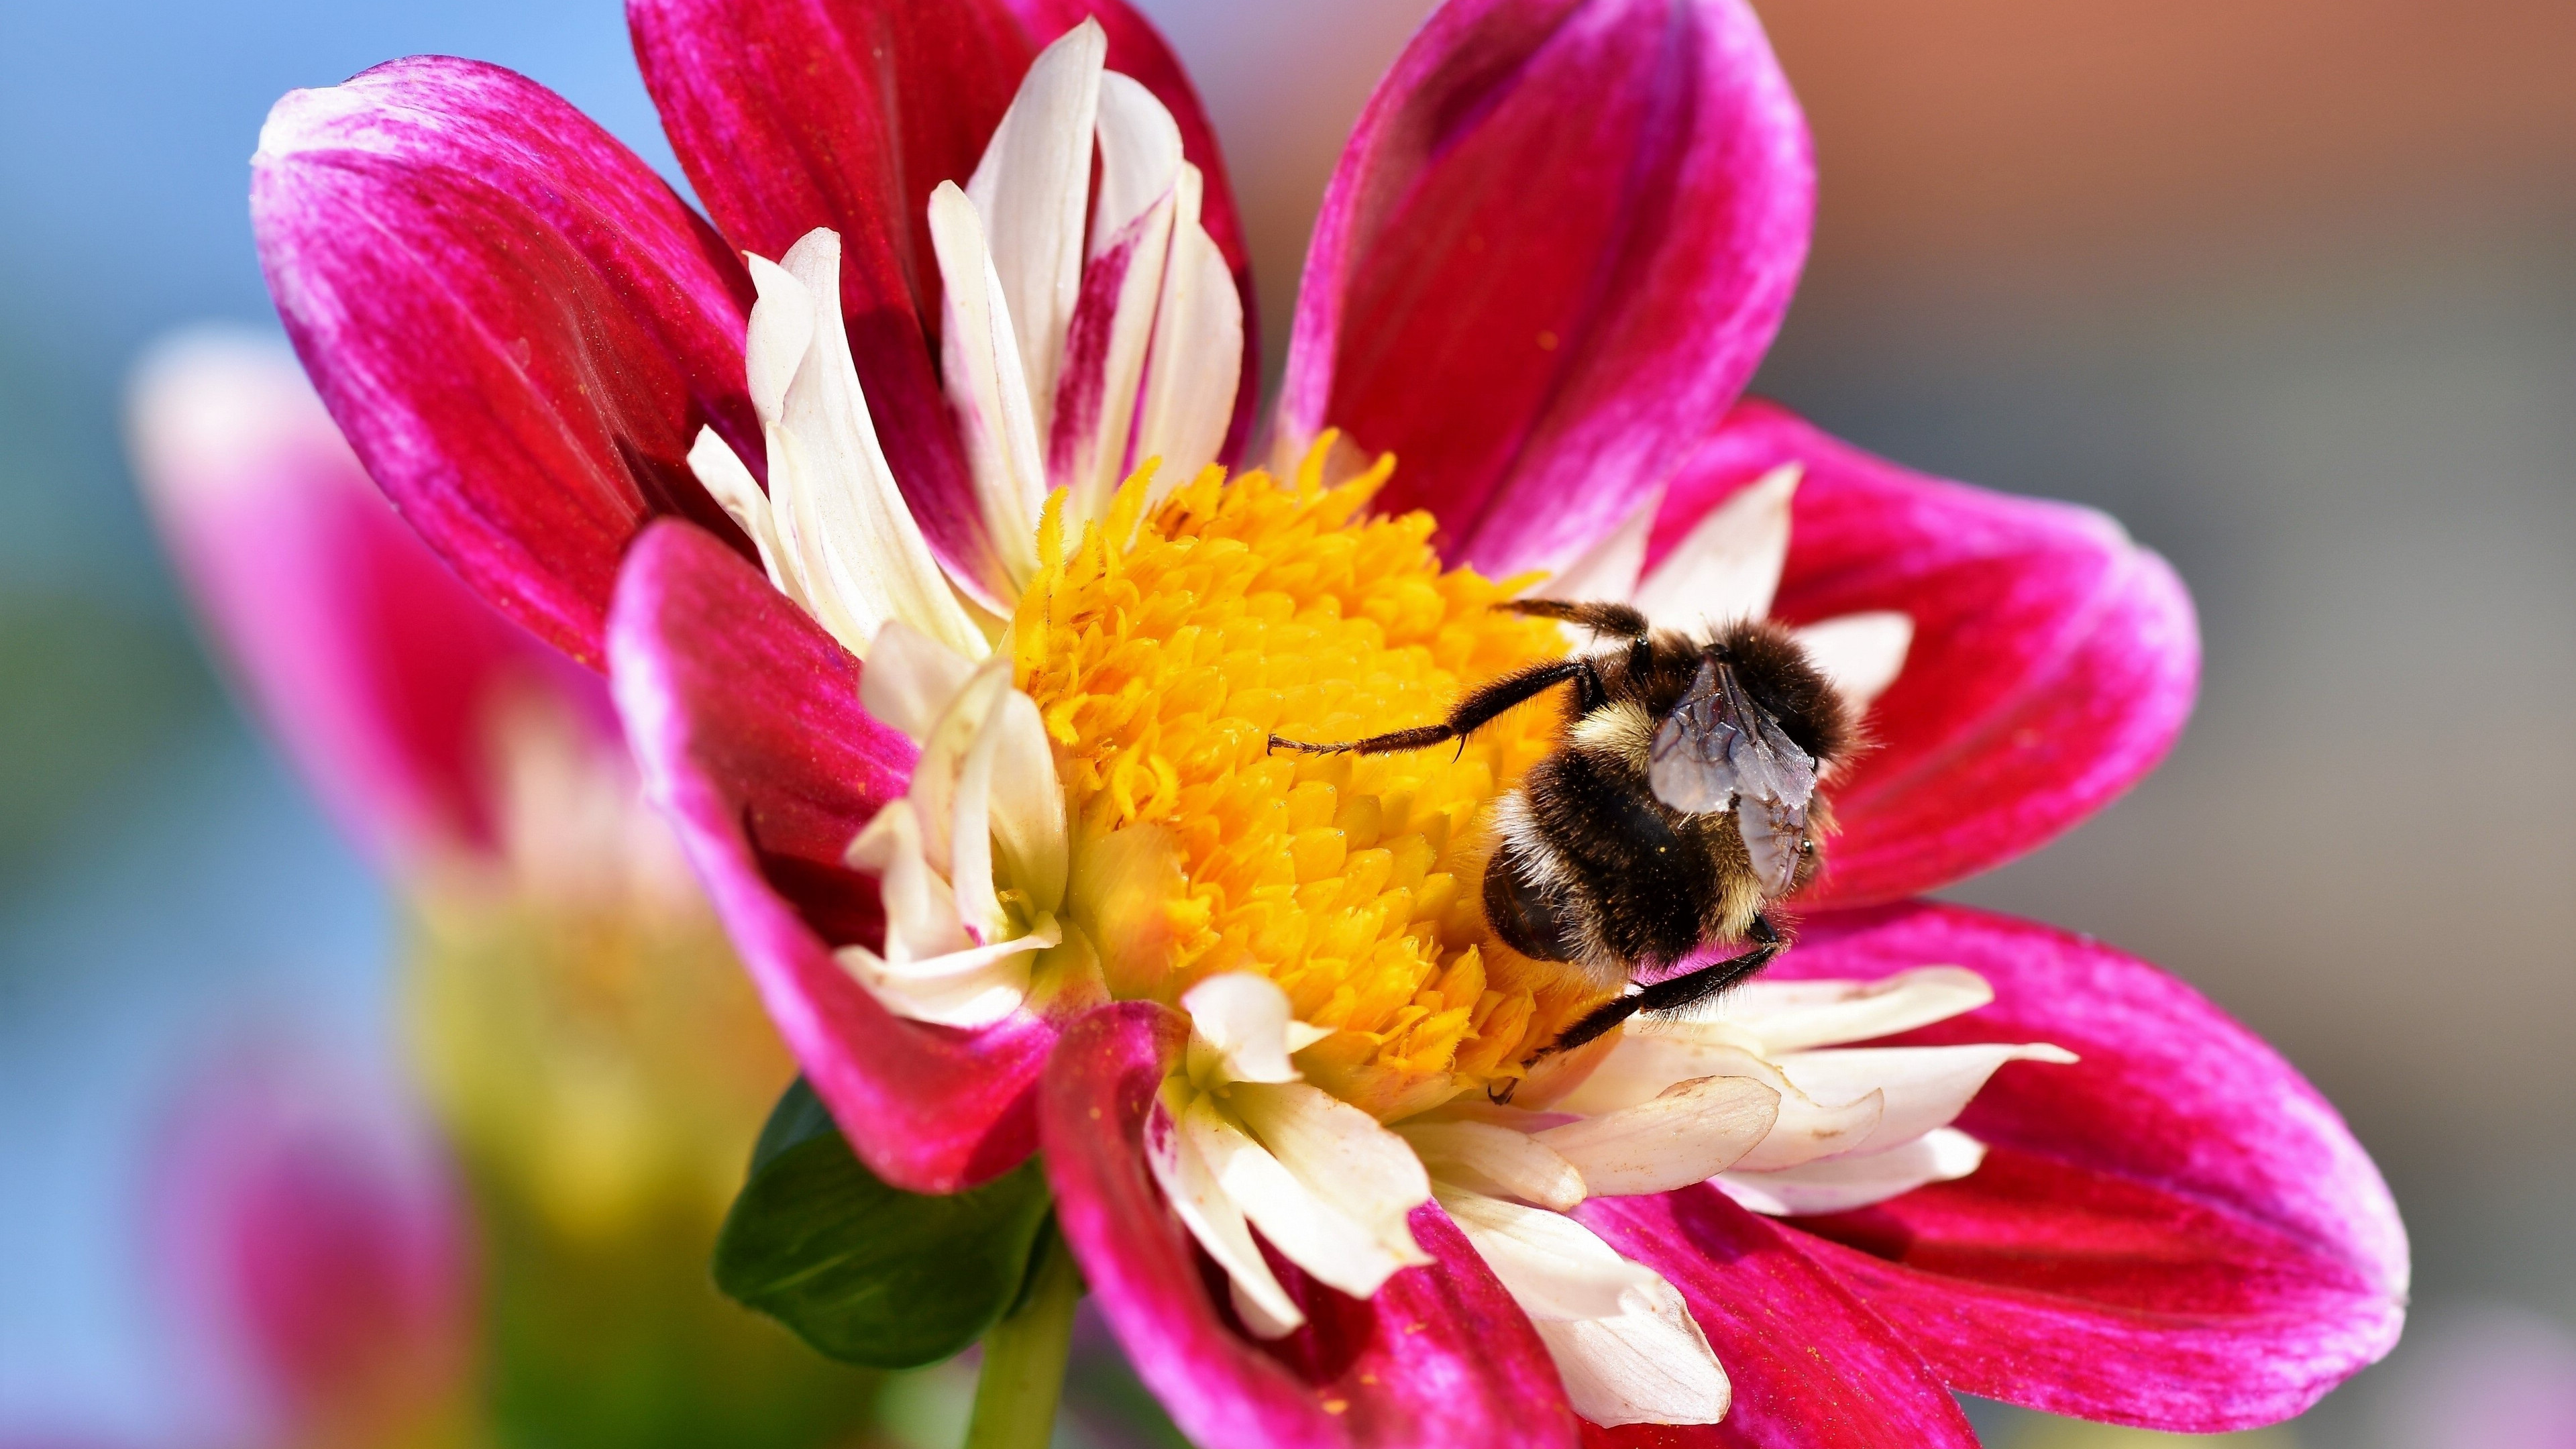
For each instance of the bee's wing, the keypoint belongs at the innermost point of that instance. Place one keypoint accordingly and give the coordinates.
(1691, 765)
(1773, 835)
(1774, 780)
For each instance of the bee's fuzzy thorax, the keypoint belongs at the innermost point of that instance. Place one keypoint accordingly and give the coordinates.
(1780, 677)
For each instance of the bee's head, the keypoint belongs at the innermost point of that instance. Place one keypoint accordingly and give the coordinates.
(1777, 673)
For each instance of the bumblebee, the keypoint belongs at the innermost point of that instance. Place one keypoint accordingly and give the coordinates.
(1680, 804)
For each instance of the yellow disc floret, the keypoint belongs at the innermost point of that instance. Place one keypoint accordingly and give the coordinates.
(1165, 650)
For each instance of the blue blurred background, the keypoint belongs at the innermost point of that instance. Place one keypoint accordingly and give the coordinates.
(2289, 285)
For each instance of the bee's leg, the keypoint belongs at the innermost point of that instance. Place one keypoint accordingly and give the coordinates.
(1611, 621)
(1477, 709)
(1677, 992)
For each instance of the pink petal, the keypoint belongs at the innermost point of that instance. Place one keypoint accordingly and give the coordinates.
(744, 716)
(355, 645)
(1439, 1356)
(517, 324)
(2176, 1231)
(789, 115)
(2053, 663)
(1558, 243)
(1812, 1367)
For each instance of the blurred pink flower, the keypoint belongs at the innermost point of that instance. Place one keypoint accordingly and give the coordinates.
(1561, 239)
(364, 656)
(312, 1233)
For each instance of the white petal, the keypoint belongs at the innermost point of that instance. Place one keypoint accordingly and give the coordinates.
(722, 472)
(1649, 1365)
(1316, 1227)
(1809, 1129)
(1788, 1016)
(1845, 1183)
(1623, 1340)
(1029, 189)
(843, 526)
(921, 913)
(1089, 450)
(1924, 1087)
(1190, 1185)
(1240, 1022)
(1196, 359)
(979, 359)
(1693, 1131)
(1345, 1155)
(1647, 1061)
(1609, 569)
(933, 790)
(1654, 1055)
(970, 833)
(1555, 1268)
(972, 988)
(1259, 1318)
(780, 339)
(1494, 1161)
(911, 679)
(1860, 653)
(1027, 801)
(1140, 157)
(1131, 233)
(1728, 566)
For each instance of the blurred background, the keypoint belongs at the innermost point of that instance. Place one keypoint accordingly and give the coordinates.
(2288, 285)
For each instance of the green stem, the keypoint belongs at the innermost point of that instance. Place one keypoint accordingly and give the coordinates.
(1024, 1356)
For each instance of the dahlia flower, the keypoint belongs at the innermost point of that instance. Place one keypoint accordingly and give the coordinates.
(910, 505)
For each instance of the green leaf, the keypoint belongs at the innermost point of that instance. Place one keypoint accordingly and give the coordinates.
(868, 1273)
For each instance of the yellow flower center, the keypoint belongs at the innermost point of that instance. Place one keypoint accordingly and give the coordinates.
(1165, 651)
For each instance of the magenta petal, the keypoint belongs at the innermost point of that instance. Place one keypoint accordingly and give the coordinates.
(793, 114)
(2177, 1231)
(1812, 1367)
(744, 716)
(1439, 1356)
(2054, 660)
(356, 646)
(1558, 243)
(518, 325)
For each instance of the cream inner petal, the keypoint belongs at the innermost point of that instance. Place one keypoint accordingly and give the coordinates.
(972, 861)
(1924, 1087)
(1029, 191)
(980, 356)
(1610, 568)
(1328, 1186)
(1195, 362)
(833, 530)
(1190, 1184)
(1495, 1161)
(1622, 1337)
(1842, 1184)
(1692, 1130)
(1787, 1016)
(1860, 654)
(1728, 566)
